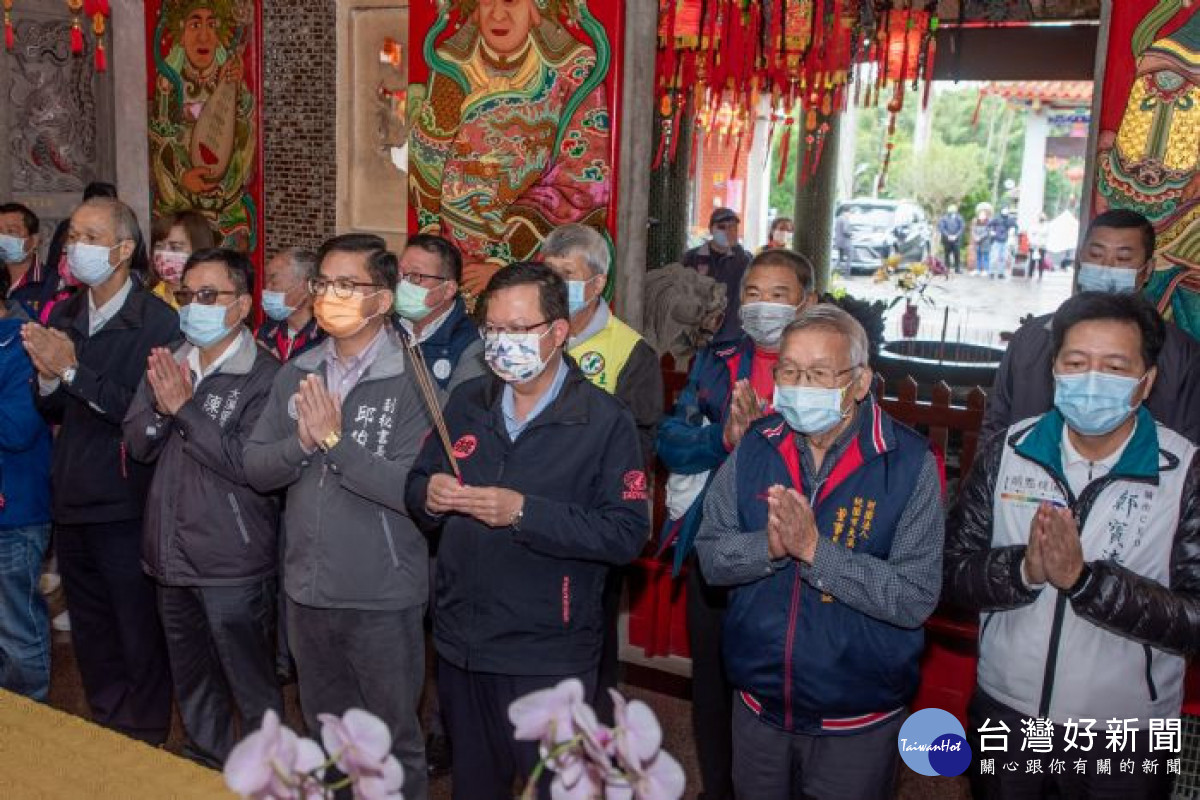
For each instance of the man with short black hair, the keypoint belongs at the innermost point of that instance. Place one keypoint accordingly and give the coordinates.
(530, 543)
(724, 259)
(90, 359)
(340, 430)
(1077, 538)
(29, 282)
(216, 591)
(290, 328)
(1116, 251)
(431, 312)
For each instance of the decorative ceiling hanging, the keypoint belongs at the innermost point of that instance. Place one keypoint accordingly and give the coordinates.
(8, 26)
(97, 12)
(801, 54)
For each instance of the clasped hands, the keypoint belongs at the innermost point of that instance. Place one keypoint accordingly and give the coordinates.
(318, 412)
(170, 380)
(51, 351)
(1054, 554)
(791, 526)
(744, 408)
(491, 505)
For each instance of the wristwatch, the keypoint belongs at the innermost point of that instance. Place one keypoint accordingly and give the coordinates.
(518, 515)
(329, 442)
(68, 375)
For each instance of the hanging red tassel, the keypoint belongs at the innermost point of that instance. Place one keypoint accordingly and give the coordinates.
(786, 151)
(9, 42)
(76, 39)
(101, 61)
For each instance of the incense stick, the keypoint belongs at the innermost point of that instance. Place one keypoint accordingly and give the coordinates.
(429, 393)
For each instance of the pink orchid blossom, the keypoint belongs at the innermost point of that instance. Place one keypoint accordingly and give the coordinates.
(662, 779)
(384, 786)
(638, 734)
(272, 762)
(546, 715)
(357, 741)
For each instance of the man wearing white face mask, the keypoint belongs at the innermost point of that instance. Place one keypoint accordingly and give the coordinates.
(432, 313)
(826, 521)
(553, 492)
(1114, 258)
(1077, 538)
(90, 360)
(290, 328)
(216, 591)
(724, 259)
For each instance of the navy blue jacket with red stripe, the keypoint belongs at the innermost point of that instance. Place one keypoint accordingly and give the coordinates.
(805, 657)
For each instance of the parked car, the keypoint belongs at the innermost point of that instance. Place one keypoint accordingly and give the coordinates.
(879, 228)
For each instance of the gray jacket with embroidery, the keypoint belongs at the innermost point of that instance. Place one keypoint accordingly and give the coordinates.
(204, 525)
(350, 542)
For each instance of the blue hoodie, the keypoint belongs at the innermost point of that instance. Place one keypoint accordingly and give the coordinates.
(24, 437)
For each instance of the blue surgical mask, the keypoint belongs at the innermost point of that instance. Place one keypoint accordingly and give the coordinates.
(810, 409)
(410, 301)
(275, 306)
(1099, 278)
(576, 296)
(721, 239)
(1094, 403)
(12, 249)
(203, 325)
(89, 263)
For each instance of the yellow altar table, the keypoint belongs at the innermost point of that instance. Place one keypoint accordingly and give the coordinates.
(48, 755)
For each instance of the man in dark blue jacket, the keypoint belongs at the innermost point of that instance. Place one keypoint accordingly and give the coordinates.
(24, 514)
(30, 282)
(827, 521)
(89, 361)
(553, 493)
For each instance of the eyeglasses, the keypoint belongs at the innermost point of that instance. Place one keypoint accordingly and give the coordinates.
(205, 297)
(416, 277)
(492, 331)
(343, 288)
(825, 377)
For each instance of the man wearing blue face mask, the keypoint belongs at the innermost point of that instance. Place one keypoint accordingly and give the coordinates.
(29, 282)
(432, 313)
(1114, 258)
(290, 328)
(1077, 538)
(826, 522)
(90, 360)
(724, 259)
(210, 540)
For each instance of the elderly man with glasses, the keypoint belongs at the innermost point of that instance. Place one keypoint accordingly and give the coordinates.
(826, 521)
(339, 433)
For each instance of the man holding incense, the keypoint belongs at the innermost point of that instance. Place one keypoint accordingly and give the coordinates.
(342, 426)
(546, 492)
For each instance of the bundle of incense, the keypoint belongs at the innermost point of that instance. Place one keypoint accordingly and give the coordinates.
(429, 393)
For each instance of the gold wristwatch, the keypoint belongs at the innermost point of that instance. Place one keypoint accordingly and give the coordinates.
(329, 442)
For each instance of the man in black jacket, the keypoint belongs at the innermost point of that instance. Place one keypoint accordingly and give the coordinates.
(1114, 257)
(89, 361)
(553, 492)
(723, 258)
(210, 540)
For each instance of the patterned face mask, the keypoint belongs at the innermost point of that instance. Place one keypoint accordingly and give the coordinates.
(515, 357)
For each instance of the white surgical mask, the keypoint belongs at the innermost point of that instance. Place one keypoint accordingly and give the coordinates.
(1099, 278)
(89, 263)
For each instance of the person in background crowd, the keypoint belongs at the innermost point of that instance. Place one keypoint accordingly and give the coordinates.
(982, 242)
(951, 228)
(1037, 247)
(529, 543)
(999, 228)
(827, 522)
(209, 540)
(1115, 251)
(843, 243)
(1076, 537)
(614, 357)
(290, 328)
(24, 513)
(779, 236)
(172, 240)
(29, 282)
(723, 258)
(342, 426)
(89, 361)
(729, 387)
(431, 311)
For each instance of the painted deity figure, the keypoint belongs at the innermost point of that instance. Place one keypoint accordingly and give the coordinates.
(512, 136)
(1151, 163)
(202, 134)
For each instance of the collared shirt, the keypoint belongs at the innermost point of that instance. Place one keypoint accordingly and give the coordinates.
(342, 374)
(516, 427)
(1079, 471)
(430, 328)
(200, 373)
(99, 317)
(598, 323)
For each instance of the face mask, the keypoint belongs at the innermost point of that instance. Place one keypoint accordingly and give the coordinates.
(410, 301)
(341, 317)
(515, 357)
(782, 238)
(169, 265)
(275, 307)
(721, 239)
(810, 409)
(1094, 403)
(1099, 278)
(89, 263)
(764, 322)
(577, 296)
(203, 325)
(12, 249)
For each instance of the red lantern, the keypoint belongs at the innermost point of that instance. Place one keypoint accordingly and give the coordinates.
(902, 50)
